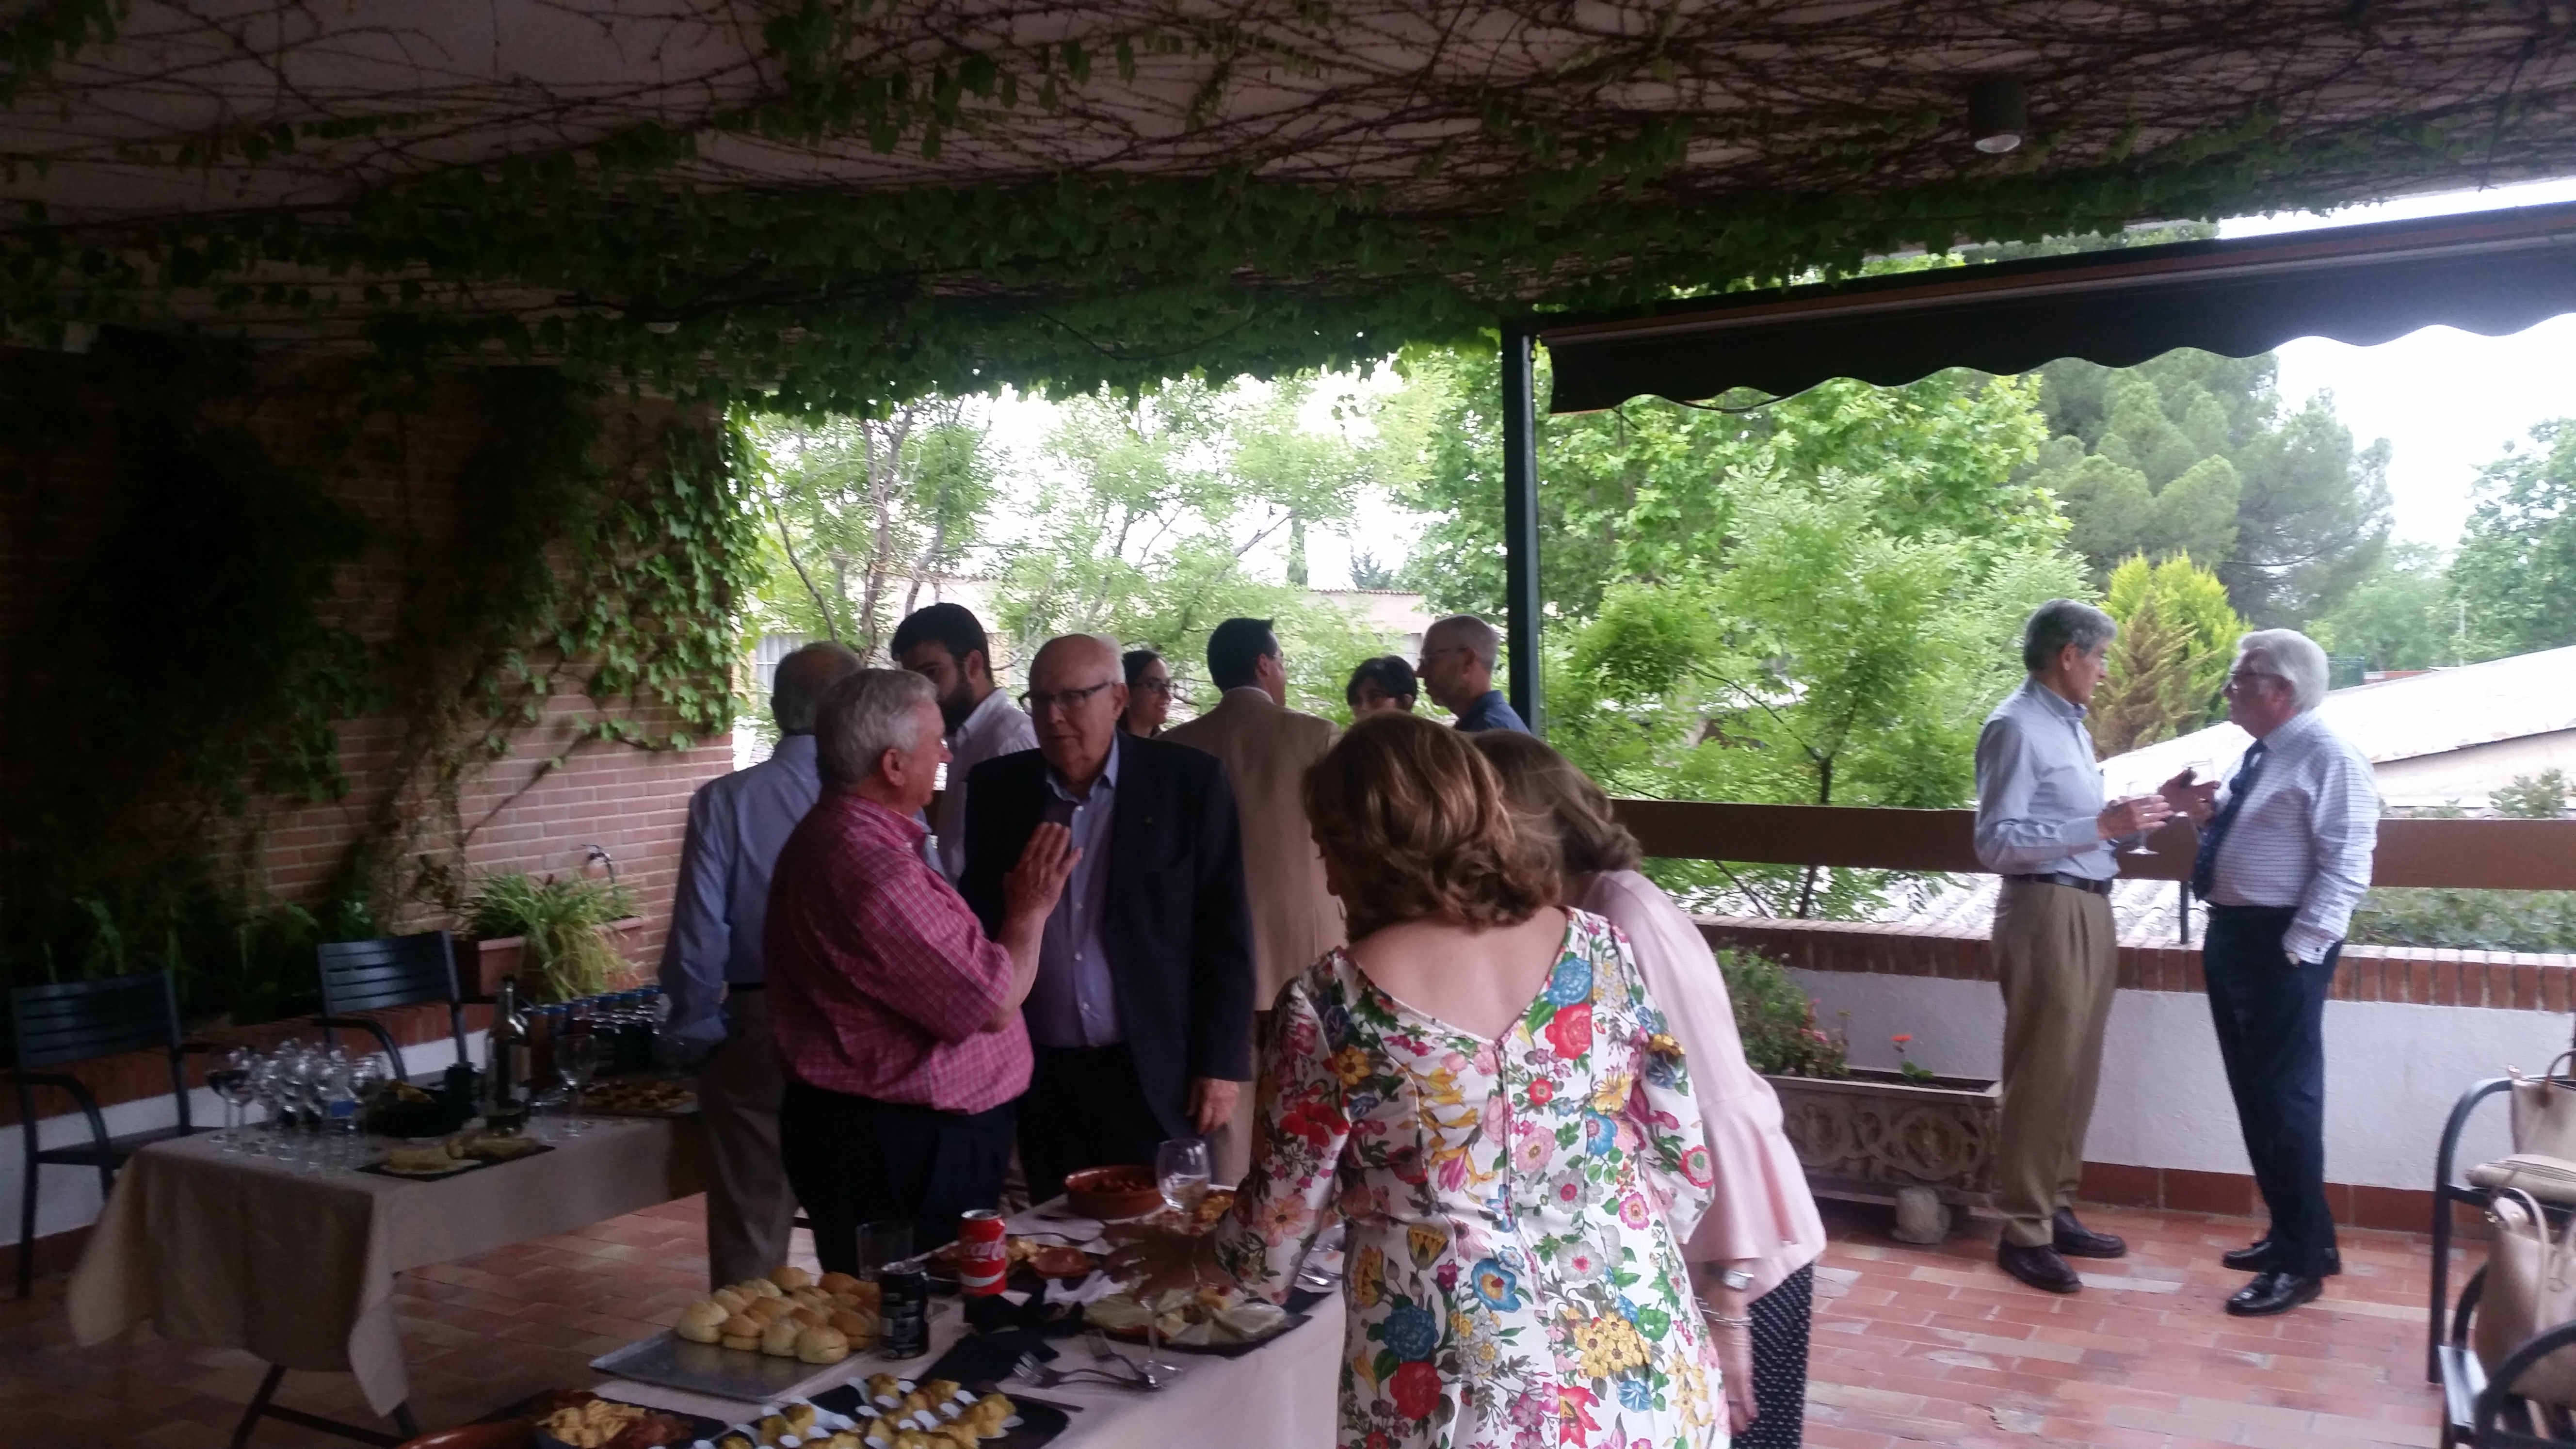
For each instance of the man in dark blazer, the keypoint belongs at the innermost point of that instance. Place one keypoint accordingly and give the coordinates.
(1141, 1018)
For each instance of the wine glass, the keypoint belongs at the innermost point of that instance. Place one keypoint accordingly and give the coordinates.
(1182, 1172)
(576, 1059)
(231, 1084)
(267, 1086)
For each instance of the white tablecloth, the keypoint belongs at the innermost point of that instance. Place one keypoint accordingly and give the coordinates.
(1280, 1396)
(238, 1251)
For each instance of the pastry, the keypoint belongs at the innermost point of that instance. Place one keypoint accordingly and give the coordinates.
(758, 1287)
(788, 1275)
(770, 1310)
(859, 1328)
(836, 1282)
(732, 1300)
(883, 1386)
(735, 1440)
(820, 1345)
(799, 1417)
(878, 1435)
(810, 1317)
(940, 1391)
(702, 1321)
(844, 1440)
(779, 1338)
(741, 1331)
(912, 1439)
(592, 1424)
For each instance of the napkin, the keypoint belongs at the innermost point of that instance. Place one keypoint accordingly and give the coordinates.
(1089, 1290)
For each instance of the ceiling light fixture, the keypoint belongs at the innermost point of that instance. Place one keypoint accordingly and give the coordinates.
(1998, 114)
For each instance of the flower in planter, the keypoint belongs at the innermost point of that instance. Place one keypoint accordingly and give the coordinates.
(1912, 1071)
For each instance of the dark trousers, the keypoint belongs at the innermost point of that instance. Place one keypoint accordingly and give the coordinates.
(1781, 1319)
(853, 1160)
(1084, 1109)
(2270, 1017)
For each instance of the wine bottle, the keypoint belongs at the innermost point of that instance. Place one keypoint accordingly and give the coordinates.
(505, 1063)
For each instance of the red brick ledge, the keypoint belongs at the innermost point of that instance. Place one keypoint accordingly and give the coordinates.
(2414, 975)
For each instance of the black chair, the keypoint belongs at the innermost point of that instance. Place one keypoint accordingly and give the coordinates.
(2447, 1189)
(72, 1021)
(384, 973)
(2484, 1413)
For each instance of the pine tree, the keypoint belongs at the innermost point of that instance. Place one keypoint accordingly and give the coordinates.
(2177, 637)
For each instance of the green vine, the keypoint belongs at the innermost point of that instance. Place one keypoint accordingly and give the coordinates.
(192, 655)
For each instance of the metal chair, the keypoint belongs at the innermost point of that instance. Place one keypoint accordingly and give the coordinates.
(72, 1021)
(384, 973)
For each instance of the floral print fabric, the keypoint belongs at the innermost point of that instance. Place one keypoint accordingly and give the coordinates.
(1512, 1278)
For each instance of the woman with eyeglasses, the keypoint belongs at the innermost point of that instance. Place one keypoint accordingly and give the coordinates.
(1149, 694)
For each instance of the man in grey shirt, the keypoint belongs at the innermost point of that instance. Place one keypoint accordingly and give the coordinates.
(716, 979)
(2043, 826)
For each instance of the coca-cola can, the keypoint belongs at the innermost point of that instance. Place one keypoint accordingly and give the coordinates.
(984, 1255)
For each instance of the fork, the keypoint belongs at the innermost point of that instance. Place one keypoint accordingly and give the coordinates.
(1101, 1351)
(1030, 1370)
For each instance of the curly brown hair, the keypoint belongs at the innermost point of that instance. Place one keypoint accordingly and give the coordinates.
(1572, 808)
(1418, 823)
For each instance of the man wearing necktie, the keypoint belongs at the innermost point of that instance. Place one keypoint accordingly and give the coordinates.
(2282, 862)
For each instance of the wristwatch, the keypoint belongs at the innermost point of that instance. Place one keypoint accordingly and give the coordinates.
(1735, 1279)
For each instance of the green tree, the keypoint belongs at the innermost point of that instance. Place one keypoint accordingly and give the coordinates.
(2178, 634)
(2192, 453)
(2399, 616)
(2514, 578)
(1150, 525)
(864, 510)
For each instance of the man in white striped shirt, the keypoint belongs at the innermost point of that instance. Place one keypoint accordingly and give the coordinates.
(2283, 860)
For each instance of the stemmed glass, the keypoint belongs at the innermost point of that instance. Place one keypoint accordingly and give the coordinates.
(1182, 1172)
(231, 1084)
(576, 1059)
(268, 1085)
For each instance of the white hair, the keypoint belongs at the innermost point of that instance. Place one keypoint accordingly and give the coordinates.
(865, 715)
(1475, 634)
(2290, 656)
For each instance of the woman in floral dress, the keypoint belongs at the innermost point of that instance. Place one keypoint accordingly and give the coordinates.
(1514, 1155)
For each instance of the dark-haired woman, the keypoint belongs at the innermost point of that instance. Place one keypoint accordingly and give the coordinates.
(1479, 1087)
(1379, 685)
(1149, 693)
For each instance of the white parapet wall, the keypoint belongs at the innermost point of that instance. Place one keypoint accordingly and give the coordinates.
(2392, 1070)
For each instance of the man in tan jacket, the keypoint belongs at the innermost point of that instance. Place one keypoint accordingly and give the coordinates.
(1266, 747)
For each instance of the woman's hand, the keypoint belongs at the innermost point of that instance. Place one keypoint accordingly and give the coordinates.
(1735, 1360)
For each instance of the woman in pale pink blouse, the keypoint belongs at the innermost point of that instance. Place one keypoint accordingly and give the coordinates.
(1753, 1256)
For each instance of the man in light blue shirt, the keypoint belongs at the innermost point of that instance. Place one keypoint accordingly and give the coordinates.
(713, 975)
(1074, 1003)
(2043, 826)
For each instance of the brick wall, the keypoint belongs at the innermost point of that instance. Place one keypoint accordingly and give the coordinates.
(534, 809)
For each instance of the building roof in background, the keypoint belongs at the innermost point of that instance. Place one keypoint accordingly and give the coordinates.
(2395, 719)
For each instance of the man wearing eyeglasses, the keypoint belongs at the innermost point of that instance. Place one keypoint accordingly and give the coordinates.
(2283, 859)
(1457, 671)
(1141, 1017)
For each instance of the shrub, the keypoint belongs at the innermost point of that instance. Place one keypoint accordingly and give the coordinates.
(560, 921)
(1777, 1021)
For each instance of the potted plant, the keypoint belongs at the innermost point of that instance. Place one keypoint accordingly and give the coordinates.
(1924, 1139)
(559, 936)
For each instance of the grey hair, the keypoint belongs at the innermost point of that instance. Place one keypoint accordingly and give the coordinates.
(1476, 634)
(2060, 622)
(2288, 655)
(865, 715)
(797, 689)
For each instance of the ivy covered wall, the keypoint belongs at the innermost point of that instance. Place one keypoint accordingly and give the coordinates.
(290, 649)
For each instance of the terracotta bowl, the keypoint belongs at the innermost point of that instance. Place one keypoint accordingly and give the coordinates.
(1112, 1193)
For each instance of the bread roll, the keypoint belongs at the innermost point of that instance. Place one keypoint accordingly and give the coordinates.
(810, 1317)
(779, 1339)
(741, 1331)
(836, 1282)
(770, 1310)
(788, 1275)
(822, 1345)
(859, 1328)
(757, 1288)
(730, 1299)
(702, 1321)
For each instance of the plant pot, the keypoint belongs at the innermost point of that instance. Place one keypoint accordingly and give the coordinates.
(481, 973)
(1874, 1133)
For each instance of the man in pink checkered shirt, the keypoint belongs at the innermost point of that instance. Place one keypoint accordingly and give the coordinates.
(897, 1020)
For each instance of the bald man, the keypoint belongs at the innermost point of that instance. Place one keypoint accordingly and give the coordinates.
(1141, 1019)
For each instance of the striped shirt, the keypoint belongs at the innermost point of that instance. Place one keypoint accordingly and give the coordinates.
(2304, 835)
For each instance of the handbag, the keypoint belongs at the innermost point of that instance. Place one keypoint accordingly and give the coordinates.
(2544, 1113)
(2531, 1286)
(2550, 1179)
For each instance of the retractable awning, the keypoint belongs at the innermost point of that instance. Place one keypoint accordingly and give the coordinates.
(2493, 273)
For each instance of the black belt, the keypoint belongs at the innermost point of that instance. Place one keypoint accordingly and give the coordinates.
(736, 988)
(2071, 882)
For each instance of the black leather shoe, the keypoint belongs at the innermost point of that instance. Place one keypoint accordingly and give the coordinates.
(2258, 1258)
(2078, 1241)
(2039, 1267)
(2271, 1293)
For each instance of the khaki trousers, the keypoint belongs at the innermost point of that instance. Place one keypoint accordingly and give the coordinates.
(2057, 958)
(750, 1208)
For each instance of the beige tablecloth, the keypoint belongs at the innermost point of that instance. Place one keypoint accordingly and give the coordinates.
(1280, 1396)
(238, 1251)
